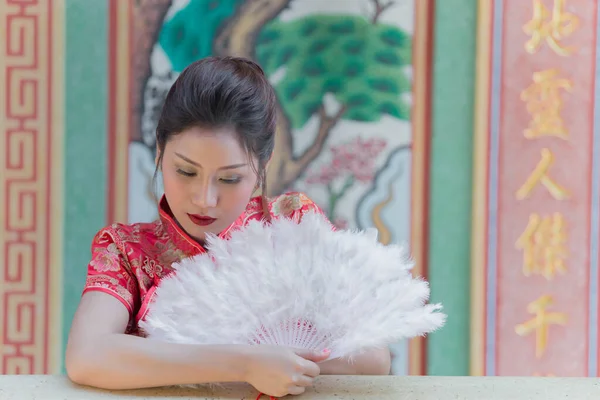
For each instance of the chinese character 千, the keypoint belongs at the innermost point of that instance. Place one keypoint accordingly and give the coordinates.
(540, 323)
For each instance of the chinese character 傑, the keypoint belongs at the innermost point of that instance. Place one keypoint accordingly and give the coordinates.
(543, 243)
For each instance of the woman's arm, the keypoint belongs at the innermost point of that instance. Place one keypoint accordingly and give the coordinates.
(99, 353)
(373, 362)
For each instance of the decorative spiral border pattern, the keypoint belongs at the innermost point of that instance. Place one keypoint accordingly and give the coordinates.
(30, 185)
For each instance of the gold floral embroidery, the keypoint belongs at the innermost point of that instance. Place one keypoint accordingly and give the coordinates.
(128, 235)
(102, 280)
(106, 259)
(285, 205)
(143, 279)
(110, 284)
(152, 268)
(168, 253)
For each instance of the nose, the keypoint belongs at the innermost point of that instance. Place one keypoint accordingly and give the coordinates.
(205, 196)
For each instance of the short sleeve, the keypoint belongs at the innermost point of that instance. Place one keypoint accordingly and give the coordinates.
(109, 271)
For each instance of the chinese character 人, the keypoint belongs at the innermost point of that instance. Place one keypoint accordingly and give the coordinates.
(551, 28)
(540, 175)
(543, 243)
(544, 104)
(540, 323)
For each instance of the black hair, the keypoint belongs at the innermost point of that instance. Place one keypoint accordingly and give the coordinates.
(219, 92)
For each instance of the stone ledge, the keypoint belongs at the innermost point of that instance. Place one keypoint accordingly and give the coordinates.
(55, 387)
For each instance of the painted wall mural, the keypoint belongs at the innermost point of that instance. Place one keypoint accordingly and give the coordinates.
(343, 72)
(328, 108)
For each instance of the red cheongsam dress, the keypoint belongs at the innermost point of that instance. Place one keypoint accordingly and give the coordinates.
(128, 261)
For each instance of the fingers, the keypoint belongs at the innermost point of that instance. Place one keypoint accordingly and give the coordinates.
(309, 368)
(296, 390)
(312, 355)
(296, 386)
(303, 380)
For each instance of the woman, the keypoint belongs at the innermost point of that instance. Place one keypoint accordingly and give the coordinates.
(214, 139)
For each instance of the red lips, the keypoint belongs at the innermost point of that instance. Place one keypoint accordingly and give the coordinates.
(201, 220)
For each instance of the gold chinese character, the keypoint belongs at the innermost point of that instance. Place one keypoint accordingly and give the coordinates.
(540, 175)
(553, 28)
(544, 104)
(540, 323)
(543, 244)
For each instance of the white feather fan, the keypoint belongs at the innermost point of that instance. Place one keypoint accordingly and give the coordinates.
(294, 284)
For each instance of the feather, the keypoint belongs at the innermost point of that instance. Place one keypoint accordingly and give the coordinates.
(298, 284)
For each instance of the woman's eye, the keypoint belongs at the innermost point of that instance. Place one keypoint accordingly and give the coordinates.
(230, 181)
(185, 173)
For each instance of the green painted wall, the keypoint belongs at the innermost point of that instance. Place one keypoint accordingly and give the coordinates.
(451, 182)
(86, 90)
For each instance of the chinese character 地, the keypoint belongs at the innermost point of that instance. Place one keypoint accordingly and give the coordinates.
(540, 175)
(544, 104)
(540, 323)
(544, 245)
(550, 28)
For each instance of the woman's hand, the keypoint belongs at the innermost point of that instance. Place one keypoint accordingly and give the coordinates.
(279, 371)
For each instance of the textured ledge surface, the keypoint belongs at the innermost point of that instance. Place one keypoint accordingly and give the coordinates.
(54, 387)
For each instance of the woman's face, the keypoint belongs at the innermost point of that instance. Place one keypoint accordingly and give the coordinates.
(208, 179)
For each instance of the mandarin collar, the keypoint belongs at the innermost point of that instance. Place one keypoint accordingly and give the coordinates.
(177, 234)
